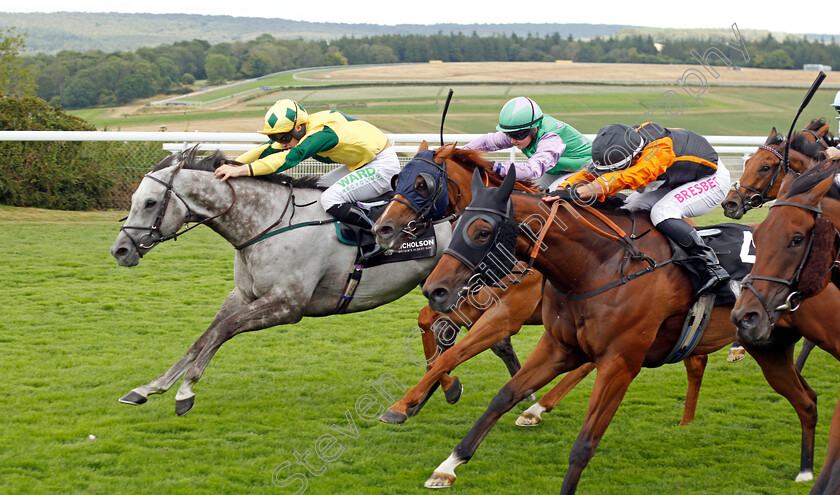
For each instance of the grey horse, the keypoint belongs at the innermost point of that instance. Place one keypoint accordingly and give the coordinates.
(300, 271)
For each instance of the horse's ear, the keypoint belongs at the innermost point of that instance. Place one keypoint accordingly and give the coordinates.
(423, 146)
(444, 152)
(507, 185)
(773, 133)
(477, 184)
(822, 130)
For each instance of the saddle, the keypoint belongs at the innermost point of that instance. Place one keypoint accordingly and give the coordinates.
(735, 250)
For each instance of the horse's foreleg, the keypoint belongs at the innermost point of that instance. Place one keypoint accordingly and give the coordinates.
(533, 415)
(614, 377)
(776, 362)
(164, 382)
(549, 359)
(695, 366)
(269, 310)
(486, 332)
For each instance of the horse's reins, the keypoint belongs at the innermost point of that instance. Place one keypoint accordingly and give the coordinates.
(155, 228)
(626, 242)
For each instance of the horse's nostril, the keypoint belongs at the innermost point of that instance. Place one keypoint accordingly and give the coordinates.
(440, 294)
(385, 231)
(749, 319)
(121, 252)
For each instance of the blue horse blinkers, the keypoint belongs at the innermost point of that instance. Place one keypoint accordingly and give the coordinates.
(434, 199)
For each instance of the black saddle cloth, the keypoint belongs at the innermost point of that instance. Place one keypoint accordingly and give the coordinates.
(734, 246)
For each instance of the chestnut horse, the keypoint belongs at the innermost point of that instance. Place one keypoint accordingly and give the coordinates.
(607, 303)
(763, 174)
(491, 314)
(796, 249)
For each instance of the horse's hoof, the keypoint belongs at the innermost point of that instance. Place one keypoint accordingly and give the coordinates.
(804, 476)
(393, 417)
(440, 480)
(528, 419)
(735, 354)
(133, 398)
(454, 393)
(183, 406)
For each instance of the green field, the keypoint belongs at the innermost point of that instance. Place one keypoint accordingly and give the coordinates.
(407, 108)
(78, 332)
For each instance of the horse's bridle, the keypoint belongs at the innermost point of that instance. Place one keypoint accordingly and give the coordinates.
(154, 232)
(794, 298)
(760, 197)
(424, 213)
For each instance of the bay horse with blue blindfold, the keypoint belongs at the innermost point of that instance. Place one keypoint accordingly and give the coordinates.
(434, 187)
(632, 324)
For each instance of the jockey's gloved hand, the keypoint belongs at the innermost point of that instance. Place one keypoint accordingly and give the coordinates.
(564, 194)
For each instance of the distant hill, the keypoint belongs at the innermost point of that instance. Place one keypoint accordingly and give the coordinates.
(109, 32)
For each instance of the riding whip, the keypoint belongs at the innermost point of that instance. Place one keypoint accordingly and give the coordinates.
(811, 92)
(445, 108)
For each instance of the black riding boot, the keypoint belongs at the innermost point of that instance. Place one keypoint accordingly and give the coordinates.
(684, 234)
(349, 213)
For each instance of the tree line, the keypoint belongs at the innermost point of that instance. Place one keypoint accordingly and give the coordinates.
(95, 78)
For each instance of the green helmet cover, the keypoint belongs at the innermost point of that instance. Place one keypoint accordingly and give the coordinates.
(519, 113)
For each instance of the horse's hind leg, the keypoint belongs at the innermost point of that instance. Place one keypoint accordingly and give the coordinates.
(533, 415)
(504, 349)
(273, 308)
(164, 382)
(828, 482)
(776, 362)
(695, 366)
(549, 359)
(807, 347)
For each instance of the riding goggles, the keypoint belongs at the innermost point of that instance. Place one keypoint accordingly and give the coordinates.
(282, 137)
(520, 134)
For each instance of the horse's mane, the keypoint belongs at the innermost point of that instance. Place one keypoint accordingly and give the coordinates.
(811, 178)
(801, 144)
(209, 163)
(474, 159)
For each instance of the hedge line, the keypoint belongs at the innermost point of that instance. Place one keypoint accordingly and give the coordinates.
(60, 175)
